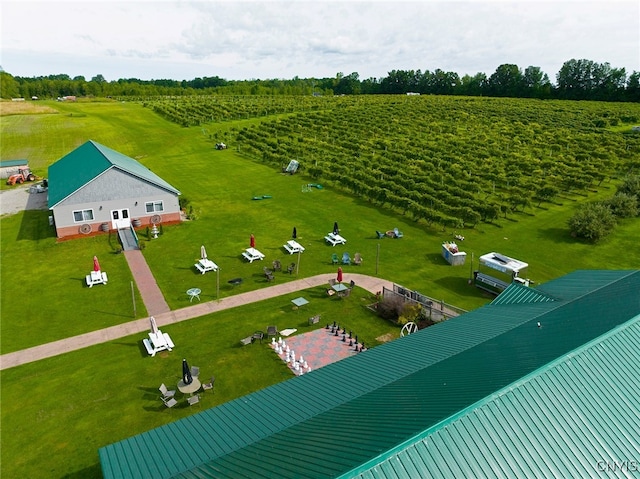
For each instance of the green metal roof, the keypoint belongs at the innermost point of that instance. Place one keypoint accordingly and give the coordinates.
(519, 293)
(10, 163)
(339, 417)
(82, 165)
(562, 420)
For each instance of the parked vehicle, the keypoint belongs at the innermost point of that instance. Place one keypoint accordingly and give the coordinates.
(23, 174)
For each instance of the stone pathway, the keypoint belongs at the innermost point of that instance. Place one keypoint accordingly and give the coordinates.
(166, 317)
(151, 295)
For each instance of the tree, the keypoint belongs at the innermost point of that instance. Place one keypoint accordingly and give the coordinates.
(631, 187)
(623, 205)
(592, 222)
(8, 86)
(507, 80)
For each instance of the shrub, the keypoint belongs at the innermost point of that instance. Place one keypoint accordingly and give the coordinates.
(623, 205)
(390, 307)
(592, 222)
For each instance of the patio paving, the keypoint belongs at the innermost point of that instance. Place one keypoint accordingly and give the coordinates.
(317, 349)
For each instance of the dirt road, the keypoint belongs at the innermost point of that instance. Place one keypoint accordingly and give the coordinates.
(18, 199)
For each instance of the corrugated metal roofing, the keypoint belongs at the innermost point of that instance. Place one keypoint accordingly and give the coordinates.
(327, 423)
(13, 163)
(519, 293)
(571, 418)
(89, 160)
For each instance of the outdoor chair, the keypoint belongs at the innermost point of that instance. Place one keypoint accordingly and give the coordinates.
(330, 292)
(334, 259)
(357, 259)
(332, 281)
(166, 393)
(346, 258)
(277, 266)
(352, 284)
(290, 268)
(270, 277)
(193, 400)
(258, 335)
(195, 370)
(380, 234)
(272, 331)
(169, 402)
(397, 234)
(209, 385)
(345, 294)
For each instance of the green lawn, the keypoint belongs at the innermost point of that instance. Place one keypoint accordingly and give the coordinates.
(75, 403)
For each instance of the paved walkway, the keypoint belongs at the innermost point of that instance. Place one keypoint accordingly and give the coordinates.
(151, 295)
(62, 346)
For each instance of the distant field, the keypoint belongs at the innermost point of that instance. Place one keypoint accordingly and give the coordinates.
(109, 392)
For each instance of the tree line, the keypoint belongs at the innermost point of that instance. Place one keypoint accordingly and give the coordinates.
(577, 80)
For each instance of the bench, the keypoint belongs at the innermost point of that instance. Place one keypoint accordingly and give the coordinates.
(168, 340)
(314, 319)
(148, 347)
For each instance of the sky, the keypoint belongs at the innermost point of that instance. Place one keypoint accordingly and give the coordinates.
(243, 40)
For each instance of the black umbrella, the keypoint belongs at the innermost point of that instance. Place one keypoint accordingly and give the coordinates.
(294, 235)
(335, 228)
(186, 373)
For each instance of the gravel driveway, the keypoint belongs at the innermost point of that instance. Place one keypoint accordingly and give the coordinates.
(18, 199)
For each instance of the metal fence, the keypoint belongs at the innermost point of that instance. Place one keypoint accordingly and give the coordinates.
(435, 309)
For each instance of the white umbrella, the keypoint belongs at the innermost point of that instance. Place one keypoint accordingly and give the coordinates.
(154, 326)
(203, 252)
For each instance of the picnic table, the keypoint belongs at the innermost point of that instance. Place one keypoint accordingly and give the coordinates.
(334, 239)
(293, 247)
(252, 254)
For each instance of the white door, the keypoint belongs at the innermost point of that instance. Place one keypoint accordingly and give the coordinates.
(120, 219)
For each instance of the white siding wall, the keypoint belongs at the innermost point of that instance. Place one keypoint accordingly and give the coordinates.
(113, 190)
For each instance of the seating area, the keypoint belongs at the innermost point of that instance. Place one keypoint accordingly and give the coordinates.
(346, 258)
(334, 239)
(252, 254)
(357, 259)
(96, 277)
(157, 342)
(293, 247)
(205, 265)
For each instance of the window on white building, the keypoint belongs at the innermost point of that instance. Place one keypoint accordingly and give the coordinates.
(82, 215)
(154, 206)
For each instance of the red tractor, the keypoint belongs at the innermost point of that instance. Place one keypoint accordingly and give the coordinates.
(23, 174)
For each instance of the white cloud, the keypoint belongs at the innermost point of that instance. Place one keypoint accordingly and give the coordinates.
(277, 39)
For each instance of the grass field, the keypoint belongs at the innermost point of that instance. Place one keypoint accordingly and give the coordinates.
(57, 412)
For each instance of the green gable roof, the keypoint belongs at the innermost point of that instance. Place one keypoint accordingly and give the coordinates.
(82, 165)
(563, 420)
(339, 417)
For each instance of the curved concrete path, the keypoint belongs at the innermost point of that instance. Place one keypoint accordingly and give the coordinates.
(73, 343)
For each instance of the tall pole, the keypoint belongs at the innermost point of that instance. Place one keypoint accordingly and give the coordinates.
(298, 265)
(218, 284)
(133, 298)
(377, 256)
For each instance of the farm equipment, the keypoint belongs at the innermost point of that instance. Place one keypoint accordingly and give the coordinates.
(23, 174)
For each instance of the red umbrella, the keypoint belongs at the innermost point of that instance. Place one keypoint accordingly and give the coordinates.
(96, 265)
(252, 242)
(339, 274)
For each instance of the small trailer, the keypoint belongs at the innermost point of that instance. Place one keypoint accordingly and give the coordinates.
(497, 271)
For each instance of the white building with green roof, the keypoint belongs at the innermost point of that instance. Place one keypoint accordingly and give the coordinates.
(95, 188)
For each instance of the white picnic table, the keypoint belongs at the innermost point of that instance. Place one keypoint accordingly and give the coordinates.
(205, 265)
(334, 239)
(158, 342)
(293, 247)
(96, 277)
(252, 254)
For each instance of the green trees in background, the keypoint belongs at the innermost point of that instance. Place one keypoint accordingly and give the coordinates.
(577, 80)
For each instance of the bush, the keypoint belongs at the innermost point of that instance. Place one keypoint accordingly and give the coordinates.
(592, 222)
(390, 307)
(623, 205)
